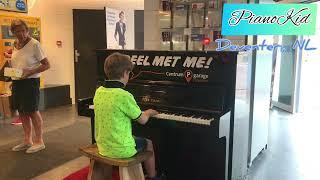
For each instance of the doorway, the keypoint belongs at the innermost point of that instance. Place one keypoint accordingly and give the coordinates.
(310, 65)
(295, 88)
(89, 30)
(285, 73)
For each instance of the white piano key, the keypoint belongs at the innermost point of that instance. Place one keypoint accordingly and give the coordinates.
(184, 119)
(187, 119)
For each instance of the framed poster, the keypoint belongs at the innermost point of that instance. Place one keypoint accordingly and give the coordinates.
(14, 5)
(120, 28)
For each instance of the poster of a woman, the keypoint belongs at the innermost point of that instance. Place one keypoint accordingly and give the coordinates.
(120, 28)
(120, 31)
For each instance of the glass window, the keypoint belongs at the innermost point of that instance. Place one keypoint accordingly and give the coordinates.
(165, 14)
(179, 40)
(180, 15)
(197, 14)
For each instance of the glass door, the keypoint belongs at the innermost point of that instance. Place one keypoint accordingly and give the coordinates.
(285, 74)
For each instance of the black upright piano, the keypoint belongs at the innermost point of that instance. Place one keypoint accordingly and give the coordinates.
(194, 93)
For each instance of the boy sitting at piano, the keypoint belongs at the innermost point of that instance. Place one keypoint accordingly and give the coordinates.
(114, 110)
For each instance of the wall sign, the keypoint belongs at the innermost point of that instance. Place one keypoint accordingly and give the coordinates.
(269, 19)
(176, 66)
(14, 5)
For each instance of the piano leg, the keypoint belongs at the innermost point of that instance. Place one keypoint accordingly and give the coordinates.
(93, 140)
(197, 155)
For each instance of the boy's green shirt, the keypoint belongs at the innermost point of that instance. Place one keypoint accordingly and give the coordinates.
(114, 110)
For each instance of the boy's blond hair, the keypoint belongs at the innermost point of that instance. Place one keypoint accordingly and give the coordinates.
(116, 64)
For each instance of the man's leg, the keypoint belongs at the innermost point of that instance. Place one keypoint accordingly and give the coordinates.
(37, 124)
(27, 128)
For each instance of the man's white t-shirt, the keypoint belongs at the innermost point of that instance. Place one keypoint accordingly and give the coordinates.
(28, 57)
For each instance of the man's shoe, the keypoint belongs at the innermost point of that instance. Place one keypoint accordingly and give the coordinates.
(36, 148)
(21, 147)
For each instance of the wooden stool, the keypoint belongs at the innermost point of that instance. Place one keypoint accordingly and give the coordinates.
(101, 166)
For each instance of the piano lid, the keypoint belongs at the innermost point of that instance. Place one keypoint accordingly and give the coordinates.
(181, 79)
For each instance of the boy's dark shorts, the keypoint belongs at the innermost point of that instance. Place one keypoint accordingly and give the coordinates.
(141, 144)
(25, 95)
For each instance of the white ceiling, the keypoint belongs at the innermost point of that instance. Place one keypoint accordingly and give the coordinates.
(119, 4)
(125, 4)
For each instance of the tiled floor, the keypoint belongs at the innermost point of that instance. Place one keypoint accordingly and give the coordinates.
(64, 133)
(54, 119)
(64, 170)
(292, 151)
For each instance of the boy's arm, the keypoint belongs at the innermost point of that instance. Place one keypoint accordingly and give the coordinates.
(129, 107)
(143, 119)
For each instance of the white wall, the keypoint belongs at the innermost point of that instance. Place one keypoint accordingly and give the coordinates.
(151, 25)
(57, 24)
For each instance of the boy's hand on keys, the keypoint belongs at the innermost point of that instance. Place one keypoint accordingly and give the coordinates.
(151, 112)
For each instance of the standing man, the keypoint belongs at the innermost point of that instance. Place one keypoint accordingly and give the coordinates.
(28, 56)
(121, 31)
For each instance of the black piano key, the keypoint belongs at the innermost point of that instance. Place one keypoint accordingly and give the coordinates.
(179, 114)
(207, 117)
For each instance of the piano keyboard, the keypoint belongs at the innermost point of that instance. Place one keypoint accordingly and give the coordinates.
(180, 118)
